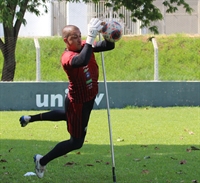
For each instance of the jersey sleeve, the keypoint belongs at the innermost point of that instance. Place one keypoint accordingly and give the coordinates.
(66, 59)
(103, 46)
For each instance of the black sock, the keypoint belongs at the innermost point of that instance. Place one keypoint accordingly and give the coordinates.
(54, 115)
(61, 149)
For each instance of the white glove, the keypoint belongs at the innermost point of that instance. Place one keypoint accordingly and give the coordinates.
(94, 27)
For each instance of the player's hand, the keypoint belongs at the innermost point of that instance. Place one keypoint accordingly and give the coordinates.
(94, 27)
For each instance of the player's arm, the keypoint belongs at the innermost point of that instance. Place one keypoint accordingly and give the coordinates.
(83, 58)
(103, 46)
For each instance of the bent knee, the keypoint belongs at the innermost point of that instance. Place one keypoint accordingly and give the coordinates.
(77, 143)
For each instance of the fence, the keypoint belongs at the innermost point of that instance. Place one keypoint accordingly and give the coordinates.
(99, 10)
(178, 59)
(178, 22)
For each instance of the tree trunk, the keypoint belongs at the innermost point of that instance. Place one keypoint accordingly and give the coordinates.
(9, 67)
(9, 57)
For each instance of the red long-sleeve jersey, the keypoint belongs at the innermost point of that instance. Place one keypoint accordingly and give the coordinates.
(82, 71)
(83, 81)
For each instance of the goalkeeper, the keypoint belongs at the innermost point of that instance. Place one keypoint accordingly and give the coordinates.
(78, 61)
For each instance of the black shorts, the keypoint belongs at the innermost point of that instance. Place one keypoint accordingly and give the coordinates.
(78, 117)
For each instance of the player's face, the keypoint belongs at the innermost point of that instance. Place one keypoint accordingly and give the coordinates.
(74, 40)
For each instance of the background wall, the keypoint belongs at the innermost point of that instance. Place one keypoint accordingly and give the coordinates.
(50, 95)
(51, 23)
(37, 25)
(180, 21)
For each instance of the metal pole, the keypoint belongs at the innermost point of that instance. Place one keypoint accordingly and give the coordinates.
(198, 15)
(108, 112)
(156, 69)
(37, 46)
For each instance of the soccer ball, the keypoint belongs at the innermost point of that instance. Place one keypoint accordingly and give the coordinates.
(112, 31)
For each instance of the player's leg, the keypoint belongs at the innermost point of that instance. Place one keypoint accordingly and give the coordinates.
(53, 115)
(78, 117)
(77, 121)
(60, 149)
(75, 112)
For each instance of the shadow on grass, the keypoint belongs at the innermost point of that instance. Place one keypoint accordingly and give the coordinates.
(93, 163)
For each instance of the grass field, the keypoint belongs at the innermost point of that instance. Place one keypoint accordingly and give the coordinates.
(151, 145)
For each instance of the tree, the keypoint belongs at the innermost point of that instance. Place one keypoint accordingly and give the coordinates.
(12, 17)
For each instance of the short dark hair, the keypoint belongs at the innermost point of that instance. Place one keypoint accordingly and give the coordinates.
(67, 30)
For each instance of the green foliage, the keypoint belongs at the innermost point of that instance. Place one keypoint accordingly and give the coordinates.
(172, 6)
(13, 10)
(132, 59)
(150, 145)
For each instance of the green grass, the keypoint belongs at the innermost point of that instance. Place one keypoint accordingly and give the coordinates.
(132, 59)
(164, 134)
